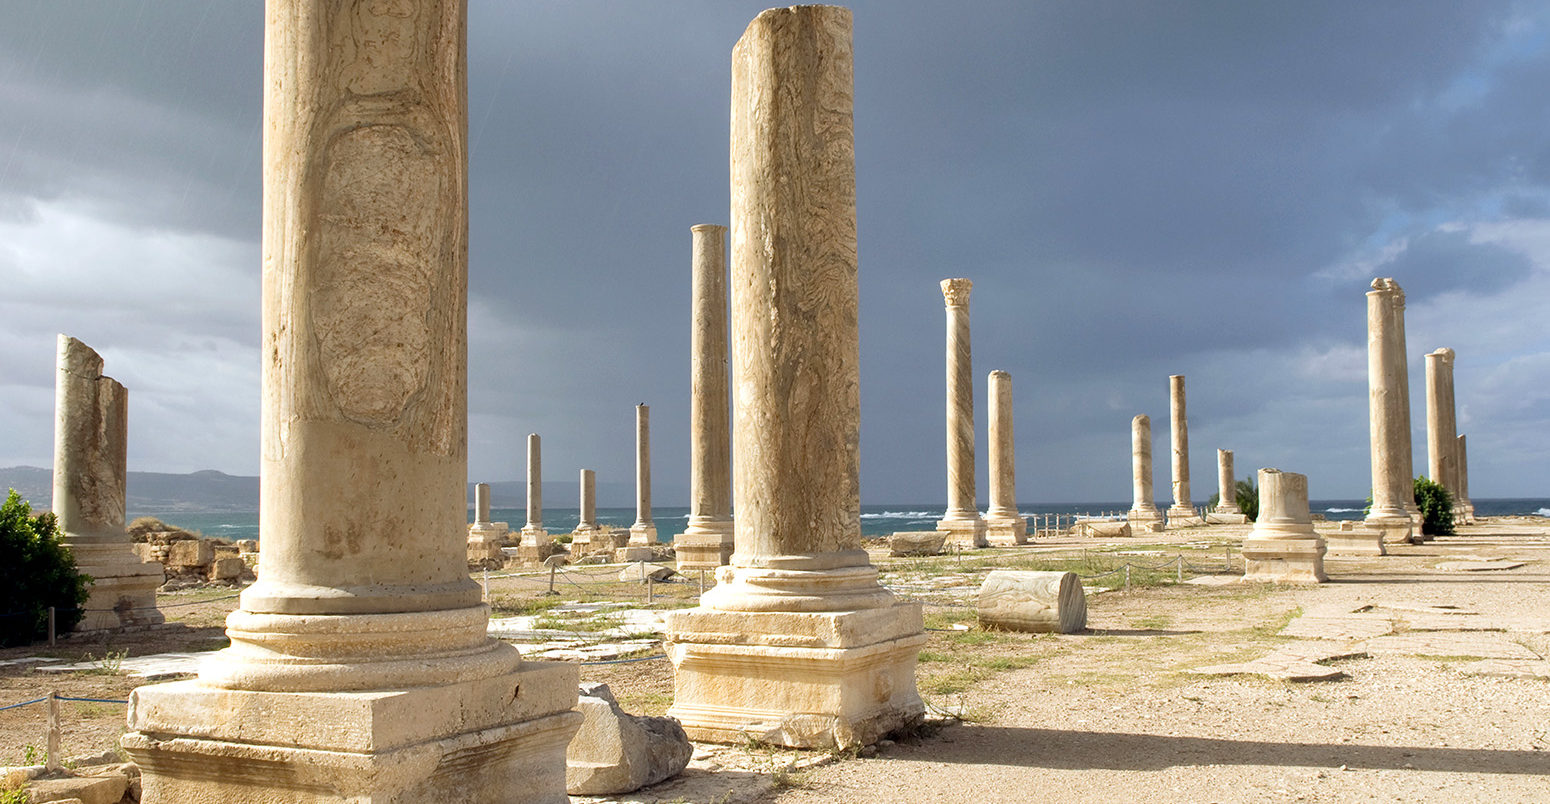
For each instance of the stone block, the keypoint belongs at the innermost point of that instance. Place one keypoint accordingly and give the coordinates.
(1038, 602)
(190, 554)
(1355, 541)
(1103, 528)
(965, 533)
(227, 569)
(246, 546)
(1284, 560)
(916, 543)
(643, 572)
(105, 789)
(1006, 531)
(615, 752)
(1227, 519)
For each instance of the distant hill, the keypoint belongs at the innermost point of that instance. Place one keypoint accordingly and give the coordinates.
(211, 491)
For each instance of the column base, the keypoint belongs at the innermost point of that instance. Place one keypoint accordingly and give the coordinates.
(704, 547)
(1284, 560)
(1464, 514)
(1006, 531)
(484, 544)
(533, 546)
(122, 596)
(1215, 518)
(496, 739)
(1145, 520)
(803, 680)
(643, 535)
(964, 532)
(1395, 529)
(1355, 542)
(1184, 517)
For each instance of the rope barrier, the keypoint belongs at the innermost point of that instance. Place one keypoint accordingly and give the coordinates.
(627, 661)
(23, 703)
(89, 700)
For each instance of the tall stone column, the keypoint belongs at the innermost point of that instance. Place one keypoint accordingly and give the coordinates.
(91, 442)
(485, 538)
(1441, 425)
(1182, 513)
(1004, 525)
(1283, 545)
(1143, 514)
(644, 532)
(1388, 412)
(534, 544)
(962, 523)
(707, 542)
(482, 504)
(823, 654)
(359, 667)
(1227, 512)
(581, 541)
(1462, 472)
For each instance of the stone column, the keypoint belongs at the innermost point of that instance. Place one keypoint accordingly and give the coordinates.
(359, 666)
(482, 504)
(485, 538)
(534, 545)
(962, 523)
(644, 532)
(581, 541)
(1388, 412)
(1143, 515)
(1441, 426)
(1227, 511)
(707, 542)
(91, 442)
(1462, 473)
(1003, 524)
(824, 655)
(1283, 545)
(1182, 513)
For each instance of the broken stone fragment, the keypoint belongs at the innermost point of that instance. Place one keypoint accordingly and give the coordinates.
(616, 752)
(1040, 602)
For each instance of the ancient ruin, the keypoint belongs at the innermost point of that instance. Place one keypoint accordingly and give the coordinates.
(1388, 409)
(1442, 425)
(798, 644)
(707, 542)
(643, 534)
(962, 522)
(534, 545)
(91, 442)
(1003, 524)
(360, 668)
(581, 538)
(486, 538)
(1283, 545)
(1037, 602)
(1227, 510)
(1143, 515)
(1464, 506)
(1182, 513)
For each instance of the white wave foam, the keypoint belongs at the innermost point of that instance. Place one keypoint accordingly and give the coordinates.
(1542, 512)
(1341, 510)
(899, 515)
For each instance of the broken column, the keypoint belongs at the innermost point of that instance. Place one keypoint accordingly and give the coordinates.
(485, 538)
(798, 644)
(534, 545)
(1461, 472)
(359, 668)
(1003, 524)
(91, 442)
(1388, 412)
(1283, 545)
(1441, 424)
(1227, 510)
(707, 542)
(1182, 513)
(581, 541)
(1143, 515)
(962, 522)
(643, 534)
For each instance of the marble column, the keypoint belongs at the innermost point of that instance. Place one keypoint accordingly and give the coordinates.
(823, 655)
(1283, 545)
(644, 532)
(1143, 515)
(1227, 510)
(1441, 424)
(1388, 412)
(962, 523)
(91, 442)
(359, 667)
(482, 504)
(1182, 513)
(534, 544)
(1462, 473)
(581, 539)
(1004, 525)
(708, 540)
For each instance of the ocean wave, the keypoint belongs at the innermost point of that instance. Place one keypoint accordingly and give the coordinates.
(1542, 512)
(1341, 510)
(900, 515)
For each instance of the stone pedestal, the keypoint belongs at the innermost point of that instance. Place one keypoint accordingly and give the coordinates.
(961, 524)
(91, 441)
(707, 542)
(797, 644)
(1182, 513)
(644, 532)
(1388, 413)
(359, 668)
(1283, 545)
(1350, 540)
(1143, 515)
(1004, 524)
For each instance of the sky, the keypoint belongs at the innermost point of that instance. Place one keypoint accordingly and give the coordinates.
(1137, 189)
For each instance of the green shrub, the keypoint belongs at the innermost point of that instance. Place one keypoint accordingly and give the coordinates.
(1436, 506)
(1246, 495)
(36, 571)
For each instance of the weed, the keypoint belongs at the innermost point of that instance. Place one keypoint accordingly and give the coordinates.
(16, 796)
(109, 664)
(32, 755)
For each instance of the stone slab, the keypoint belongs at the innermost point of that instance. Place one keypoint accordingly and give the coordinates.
(151, 667)
(1479, 566)
(1353, 626)
(1482, 644)
(1508, 668)
(1292, 663)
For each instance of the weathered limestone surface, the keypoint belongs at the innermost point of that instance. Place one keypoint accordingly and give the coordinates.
(916, 543)
(359, 668)
(534, 545)
(1441, 423)
(1351, 540)
(1039, 602)
(708, 540)
(1103, 528)
(1461, 472)
(1182, 513)
(962, 522)
(1144, 516)
(91, 442)
(485, 538)
(798, 644)
(1283, 545)
(1004, 526)
(644, 532)
(1388, 412)
(615, 752)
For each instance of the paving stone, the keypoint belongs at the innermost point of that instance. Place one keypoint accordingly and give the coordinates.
(1485, 645)
(1479, 566)
(152, 667)
(1508, 668)
(1347, 627)
(1423, 608)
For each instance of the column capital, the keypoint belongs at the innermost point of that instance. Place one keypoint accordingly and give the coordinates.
(1386, 286)
(1444, 354)
(956, 291)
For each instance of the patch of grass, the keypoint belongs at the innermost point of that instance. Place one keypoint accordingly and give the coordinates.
(509, 605)
(945, 618)
(999, 663)
(1153, 622)
(952, 682)
(1271, 629)
(109, 664)
(933, 656)
(646, 702)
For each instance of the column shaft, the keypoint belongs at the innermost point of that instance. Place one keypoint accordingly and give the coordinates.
(535, 483)
(482, 504)
(588, 498)
(1180, 423)
(1227, 491)
(1388, 395)
(1143, 509)
(644, 532)
(1441, 426)
(962, 521)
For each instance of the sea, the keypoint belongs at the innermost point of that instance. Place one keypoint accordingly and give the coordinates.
(876, 520)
